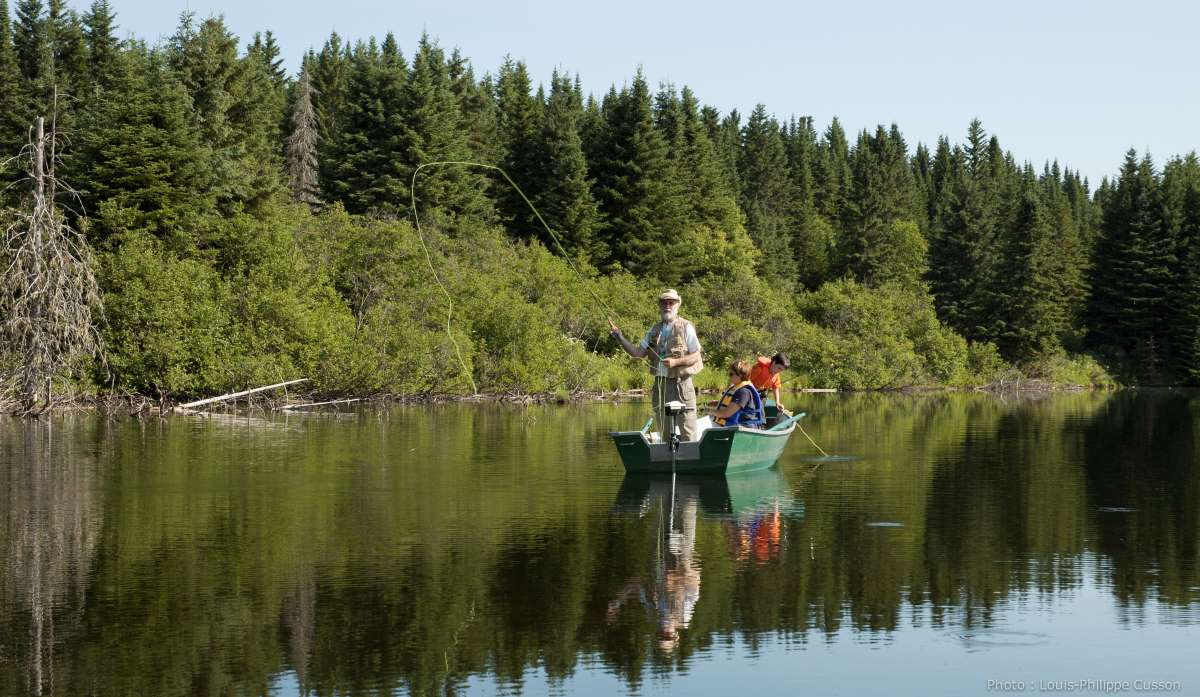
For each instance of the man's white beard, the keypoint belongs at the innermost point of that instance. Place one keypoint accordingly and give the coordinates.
(668, 315)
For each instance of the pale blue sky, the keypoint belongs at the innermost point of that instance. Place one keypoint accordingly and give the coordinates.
(1077, 81)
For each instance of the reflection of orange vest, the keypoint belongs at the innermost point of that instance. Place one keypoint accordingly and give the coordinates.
(766, 537)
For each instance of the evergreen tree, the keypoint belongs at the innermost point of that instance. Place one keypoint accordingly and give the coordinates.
(266, 49)
(1037, 317)
(1131, 274)
(832, 172)
(923, 188)
(951, 273)
(564, 192)
(477, 104)
(368, 171)
(520, 122)
(812, 236)
(726, 136)
(12, 129)
(71, 70)
(35, 57)
(766, 194)
(102, 45)
(330, 76)
(142, 164)
(301, 151)
(432, 130)
(881, 195)
(1187, 323)
(1180, 191)
(236, 111)
(645, 232)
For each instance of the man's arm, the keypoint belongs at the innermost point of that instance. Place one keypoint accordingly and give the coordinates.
(630, 348)
(683, 361)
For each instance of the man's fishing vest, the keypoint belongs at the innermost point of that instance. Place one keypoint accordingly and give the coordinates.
(676, 347)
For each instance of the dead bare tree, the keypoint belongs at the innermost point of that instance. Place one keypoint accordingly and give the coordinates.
(301, 150)
(48, 292)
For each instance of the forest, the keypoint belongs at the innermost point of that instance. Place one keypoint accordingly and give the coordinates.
(245, 225)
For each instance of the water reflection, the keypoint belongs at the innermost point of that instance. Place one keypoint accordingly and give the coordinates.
(51, 526)
(478, 548)
(749, 510)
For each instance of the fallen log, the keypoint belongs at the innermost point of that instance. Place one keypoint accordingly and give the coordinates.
(235, 395)
(321, 404)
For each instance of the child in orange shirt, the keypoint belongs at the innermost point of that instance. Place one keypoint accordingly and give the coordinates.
(765, 375)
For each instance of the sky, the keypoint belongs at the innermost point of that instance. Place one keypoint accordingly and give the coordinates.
(1078, 82)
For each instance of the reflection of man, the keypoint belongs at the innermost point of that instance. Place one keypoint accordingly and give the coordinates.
(676, 586)
(674, 353)
(679, 586)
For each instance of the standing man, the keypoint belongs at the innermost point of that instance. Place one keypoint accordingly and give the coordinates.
(673, 351)
(765, 375)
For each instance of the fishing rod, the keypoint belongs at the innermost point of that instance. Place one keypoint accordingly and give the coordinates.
(553, 236)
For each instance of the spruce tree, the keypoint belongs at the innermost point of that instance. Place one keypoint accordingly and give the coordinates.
(951, 272)
(812, 236)
(832, 172)
(330, 75)
(12, 130)
(881, 196)
(766, 194)
(1180, 191)
(31, 41)
(1187, 323)
(644, 231)
(564, 192)
(71, 69)
(367, 171)
(432, 130)
(520, 122)
(142, 163)
(1037, 316)
(477, 104)
(102, 45)
(236, 111)
(1131, 274)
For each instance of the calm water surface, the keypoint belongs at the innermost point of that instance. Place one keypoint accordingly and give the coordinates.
(486, 549)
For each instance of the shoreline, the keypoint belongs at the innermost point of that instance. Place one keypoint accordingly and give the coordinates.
(299, 403)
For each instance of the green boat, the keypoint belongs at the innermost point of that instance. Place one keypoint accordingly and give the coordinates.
(721, 449)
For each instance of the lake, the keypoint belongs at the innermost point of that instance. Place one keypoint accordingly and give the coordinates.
(967, 544)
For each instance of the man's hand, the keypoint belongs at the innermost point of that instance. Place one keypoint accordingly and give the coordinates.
(670, 362)
(616, 331)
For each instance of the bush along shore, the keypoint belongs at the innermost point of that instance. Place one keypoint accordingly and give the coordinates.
(191, 219)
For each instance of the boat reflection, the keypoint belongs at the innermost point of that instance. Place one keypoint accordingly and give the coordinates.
(750, 508)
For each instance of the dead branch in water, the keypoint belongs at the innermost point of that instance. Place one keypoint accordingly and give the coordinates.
(235, 395)
(321, 404)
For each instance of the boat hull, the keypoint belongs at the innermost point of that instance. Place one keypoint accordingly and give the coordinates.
(728, 450)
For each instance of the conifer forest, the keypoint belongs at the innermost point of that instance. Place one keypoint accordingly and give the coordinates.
(240, 224)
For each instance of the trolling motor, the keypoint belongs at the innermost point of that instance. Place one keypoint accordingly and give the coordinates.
(674, 409)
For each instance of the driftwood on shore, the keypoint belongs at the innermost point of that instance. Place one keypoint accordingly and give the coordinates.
(235, 395)
(321, 404)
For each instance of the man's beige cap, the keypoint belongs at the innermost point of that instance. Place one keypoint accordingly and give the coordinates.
(670, 294)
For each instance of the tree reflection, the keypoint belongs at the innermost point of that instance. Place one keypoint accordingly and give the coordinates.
(420, 549)
(51, 533)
